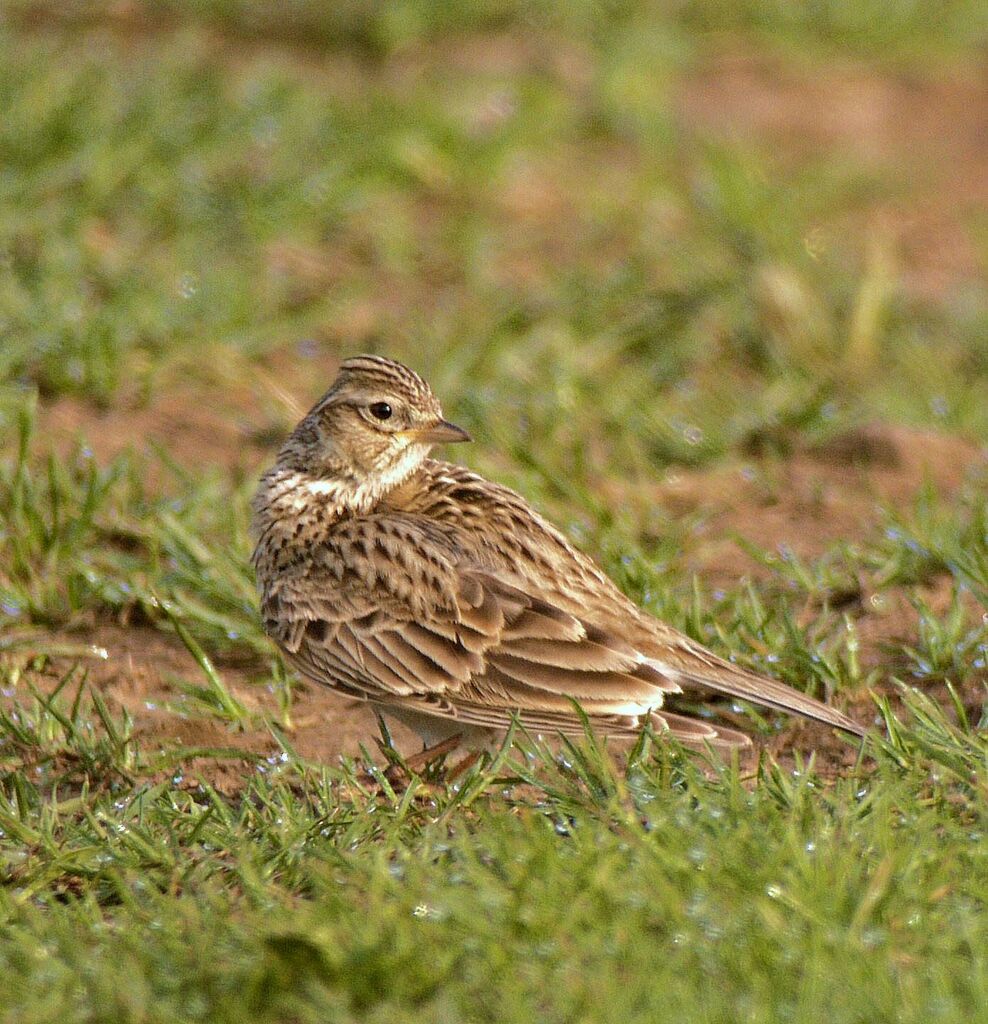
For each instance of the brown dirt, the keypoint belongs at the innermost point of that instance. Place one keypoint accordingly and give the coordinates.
(927, 136)
(140, 669)
(806, 502)
(814, 498)
(198, 418)
(932, 133)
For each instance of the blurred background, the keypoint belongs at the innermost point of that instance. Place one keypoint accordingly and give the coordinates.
(716, 219)
(706, 281)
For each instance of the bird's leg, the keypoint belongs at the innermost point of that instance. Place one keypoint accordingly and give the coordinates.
(464, 766)
(433, 753)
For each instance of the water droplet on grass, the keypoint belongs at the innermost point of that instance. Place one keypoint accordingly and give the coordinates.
(188, 286)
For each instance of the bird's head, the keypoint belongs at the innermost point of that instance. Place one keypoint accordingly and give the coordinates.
(371, 430)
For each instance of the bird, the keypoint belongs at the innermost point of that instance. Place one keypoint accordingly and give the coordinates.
(447, 602)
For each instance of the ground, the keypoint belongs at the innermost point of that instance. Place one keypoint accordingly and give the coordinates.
(817, 498)
(707, 285)
(927, 134)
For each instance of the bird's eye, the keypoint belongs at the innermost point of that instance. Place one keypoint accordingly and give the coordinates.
(381, 410)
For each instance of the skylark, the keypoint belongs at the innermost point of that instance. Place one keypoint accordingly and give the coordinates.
(448, 602)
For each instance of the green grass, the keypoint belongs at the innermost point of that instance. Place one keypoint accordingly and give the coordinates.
(594, 896)
(210, 204)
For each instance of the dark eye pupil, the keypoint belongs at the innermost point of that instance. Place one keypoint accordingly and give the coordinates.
(381, 410)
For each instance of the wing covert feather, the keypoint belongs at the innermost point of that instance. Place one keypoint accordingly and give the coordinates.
(393, 607)
(441, 632)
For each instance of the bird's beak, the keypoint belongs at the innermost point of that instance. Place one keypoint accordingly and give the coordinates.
(442, 432)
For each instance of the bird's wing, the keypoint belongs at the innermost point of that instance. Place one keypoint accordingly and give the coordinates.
(392, 612)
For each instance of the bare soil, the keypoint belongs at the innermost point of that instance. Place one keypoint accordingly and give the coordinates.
(814, 498)
(198, 418)
(142, 670)
(804, 503)
(933, 134)
(926, 139)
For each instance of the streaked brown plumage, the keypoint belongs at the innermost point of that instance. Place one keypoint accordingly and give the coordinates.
(446, 600)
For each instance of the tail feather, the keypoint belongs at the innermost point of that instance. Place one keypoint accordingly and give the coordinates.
(770, 693)
(694, 667)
